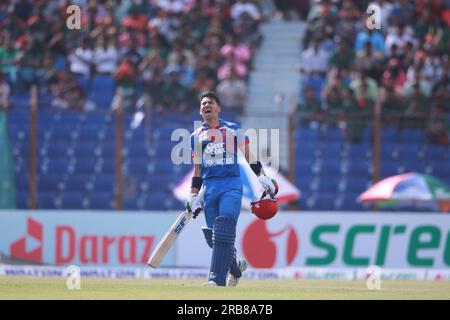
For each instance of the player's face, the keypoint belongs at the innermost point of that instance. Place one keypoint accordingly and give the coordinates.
(209, 109)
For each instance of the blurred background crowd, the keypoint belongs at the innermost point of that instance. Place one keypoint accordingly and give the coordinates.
(169, 51)
(404, 63)
(159, 55)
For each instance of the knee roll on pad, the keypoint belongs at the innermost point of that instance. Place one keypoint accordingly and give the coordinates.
(224, 230)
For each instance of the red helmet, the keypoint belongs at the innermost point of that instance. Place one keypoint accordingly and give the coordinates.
(265, 208)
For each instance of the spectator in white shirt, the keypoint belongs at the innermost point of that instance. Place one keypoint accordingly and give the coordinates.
(385, 13)
(174, 6)
(314, 60)
(245, 7)
(232, 92)
(106, 57)
(81, 60)
(399, 36)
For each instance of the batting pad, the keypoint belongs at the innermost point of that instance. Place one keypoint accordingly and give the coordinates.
(234, 267)
(208, 235)
(224, 234)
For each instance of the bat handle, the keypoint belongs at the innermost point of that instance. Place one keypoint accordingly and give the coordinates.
(272, 196)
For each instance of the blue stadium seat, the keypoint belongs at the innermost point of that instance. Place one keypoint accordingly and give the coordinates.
(72, 200)
(412, 136)
(85, 149)
(131, 204)
(331, 150)
(389, 134)
(305, 149)
(413, 164)
(441, 169)
(137, 150)
(315, 82)
(59, 63)
(57, 150)
(106, 149)
(328, 185)
(163, 167)
(102, 201)
(138, 167)
(104, 182)
(138, 134)
(76, 182)
(303, 183)
(107, 166)
(436, 153)
(46, 200)
(102, 83)
(49, 182)
(22, 181)
(89, 132)
(388, 168)
(325, 201)
(408, 151)
(22, 199)
(102, 101)
(351, 203)
(58, 166)
(331, 135)
(357, 184)
(102, 91)
(84, 165)
(360, 167)
(303, 168)
(305, 134)
(330, 168)
(21, 99)
(155, 201)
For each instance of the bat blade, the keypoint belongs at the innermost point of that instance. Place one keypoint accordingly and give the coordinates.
(168, 240)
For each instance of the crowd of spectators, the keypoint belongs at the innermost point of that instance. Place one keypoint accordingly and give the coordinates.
(349, 67)
(166, 50)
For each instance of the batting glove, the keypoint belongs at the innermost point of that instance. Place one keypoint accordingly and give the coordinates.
(194, 204)
(269, 185)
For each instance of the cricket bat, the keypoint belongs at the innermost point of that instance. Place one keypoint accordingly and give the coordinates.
(170, 237)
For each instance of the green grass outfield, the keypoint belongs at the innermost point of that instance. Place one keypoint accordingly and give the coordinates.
(12, 287)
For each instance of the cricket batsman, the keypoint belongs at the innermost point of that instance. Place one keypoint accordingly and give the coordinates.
(215, 146)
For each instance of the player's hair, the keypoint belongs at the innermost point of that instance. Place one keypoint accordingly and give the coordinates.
(210, 95)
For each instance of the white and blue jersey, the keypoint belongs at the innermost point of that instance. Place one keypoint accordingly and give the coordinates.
(216, 150)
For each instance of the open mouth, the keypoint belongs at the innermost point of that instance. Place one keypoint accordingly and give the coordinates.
(208, 111)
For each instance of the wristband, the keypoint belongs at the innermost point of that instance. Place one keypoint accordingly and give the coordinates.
(256, 167)
(196, 182)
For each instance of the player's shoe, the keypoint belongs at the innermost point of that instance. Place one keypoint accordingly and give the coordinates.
(210, 283)
(232, 281)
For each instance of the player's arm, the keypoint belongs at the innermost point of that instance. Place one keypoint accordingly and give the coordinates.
(244, 147)
(266, 182)
(194, 201)
(251, 159)
(195, 188)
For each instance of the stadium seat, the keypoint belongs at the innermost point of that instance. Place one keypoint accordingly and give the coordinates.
(101, 201)
(325, 201)
(72, 200)
(49, 182)
(77, 182)
(22, 199)
(46, 200)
